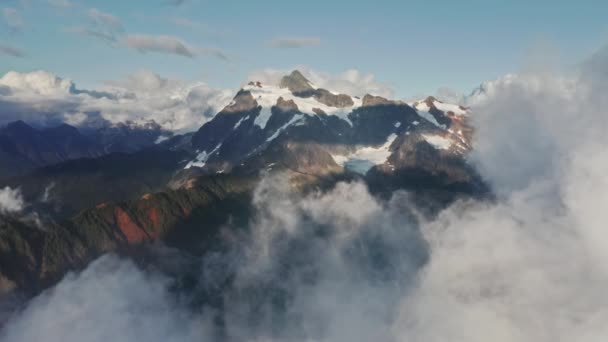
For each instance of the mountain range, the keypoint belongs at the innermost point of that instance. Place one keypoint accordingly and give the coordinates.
(122, 187)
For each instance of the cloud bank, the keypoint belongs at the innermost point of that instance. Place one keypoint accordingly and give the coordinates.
(43, 98)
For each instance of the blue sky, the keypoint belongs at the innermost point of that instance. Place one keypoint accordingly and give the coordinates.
(414, 46)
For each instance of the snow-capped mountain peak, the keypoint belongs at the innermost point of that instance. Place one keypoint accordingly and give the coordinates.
(298, 126)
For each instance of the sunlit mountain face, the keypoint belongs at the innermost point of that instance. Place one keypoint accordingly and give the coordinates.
(238, 193)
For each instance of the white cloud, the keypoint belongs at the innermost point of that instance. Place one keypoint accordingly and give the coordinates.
(532, 266)
(352, 82)
(41, 97)
(36, 83)
(11, 200)
(294, 42)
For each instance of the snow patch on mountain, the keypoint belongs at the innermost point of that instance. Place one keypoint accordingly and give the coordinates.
(446, 107)
(438, 141)
(202, 157)
(267, 96)
(238, 123)
(293, 120)
(364, 158)
(429, 117)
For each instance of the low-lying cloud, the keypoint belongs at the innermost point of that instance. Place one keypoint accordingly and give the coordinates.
(112, 300)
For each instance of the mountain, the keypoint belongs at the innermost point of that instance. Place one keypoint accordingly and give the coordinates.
(66, 188)
(24, 148)
(185, 189)
(295, 125)
(35, 255)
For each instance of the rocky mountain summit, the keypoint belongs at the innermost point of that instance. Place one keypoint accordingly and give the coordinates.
(268, 126)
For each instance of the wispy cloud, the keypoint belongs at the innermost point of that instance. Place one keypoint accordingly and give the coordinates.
(294, 42)
(105, 19)
(61, 3)
(12, 19)
(104, 26)
(162, 44)
(175, 2)
(187, 23)
(214, 52)
(169, 45)
(93, 33)
(11, 51)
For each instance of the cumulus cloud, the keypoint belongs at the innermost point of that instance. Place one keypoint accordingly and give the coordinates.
(11, 200)
(11, 51)
(352, 81)
(530, 267)
(36, 83)
(12, 19)
(294, 42)
(43, 98)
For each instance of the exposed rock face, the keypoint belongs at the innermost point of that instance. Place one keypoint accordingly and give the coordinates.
(370, 100)
(301, 87)
(296, 83)
(333, 100)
